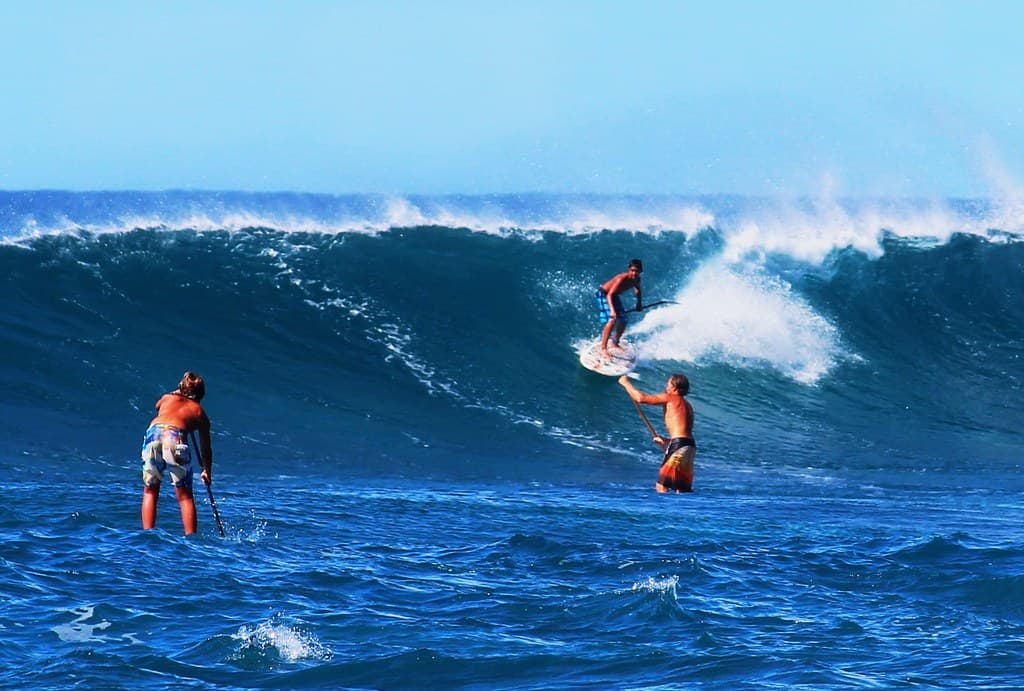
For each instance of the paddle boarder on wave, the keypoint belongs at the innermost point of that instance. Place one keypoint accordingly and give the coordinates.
(609, 305)
(166, 450)
(676, 471)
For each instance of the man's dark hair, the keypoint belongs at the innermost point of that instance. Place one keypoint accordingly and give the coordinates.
(680, 383)
(192, 386)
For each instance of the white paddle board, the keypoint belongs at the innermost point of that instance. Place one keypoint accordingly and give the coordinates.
(620, 360)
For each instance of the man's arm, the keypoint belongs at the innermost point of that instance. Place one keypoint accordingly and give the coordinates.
(639, 296)
(633, 392)
(641, 397)
(206, 449)
(638, 395)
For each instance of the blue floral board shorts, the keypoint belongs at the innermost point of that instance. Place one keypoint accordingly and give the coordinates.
(604, 315)
(165, 450)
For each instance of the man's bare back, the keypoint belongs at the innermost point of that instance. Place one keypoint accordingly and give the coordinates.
(181, 412)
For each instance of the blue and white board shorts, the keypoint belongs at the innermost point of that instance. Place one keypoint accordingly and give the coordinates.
(165, 450)
(604, 314)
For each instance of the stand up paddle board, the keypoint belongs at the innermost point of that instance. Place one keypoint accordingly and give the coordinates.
(619, 361)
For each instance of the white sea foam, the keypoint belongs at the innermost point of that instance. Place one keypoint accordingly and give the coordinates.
(742, 318)
(657, 585)
(580, 220)
(806, 229)
(811, 232)
(81, 629)
(400, 212)
(286, 641)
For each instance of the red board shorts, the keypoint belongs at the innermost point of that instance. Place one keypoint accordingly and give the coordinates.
(676, 471)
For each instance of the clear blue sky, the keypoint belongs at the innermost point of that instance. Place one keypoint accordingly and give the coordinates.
(773, 97)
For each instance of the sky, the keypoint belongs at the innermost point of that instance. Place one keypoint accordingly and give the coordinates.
(891, 99)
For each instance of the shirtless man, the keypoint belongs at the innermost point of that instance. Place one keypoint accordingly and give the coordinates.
(680, 449)
(609, 306)
(166, 450)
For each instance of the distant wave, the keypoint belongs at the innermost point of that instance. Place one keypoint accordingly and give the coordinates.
(804, 229)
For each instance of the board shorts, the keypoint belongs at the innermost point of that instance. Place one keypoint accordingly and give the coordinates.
(604, 315)
(676, 471)
(165, 450)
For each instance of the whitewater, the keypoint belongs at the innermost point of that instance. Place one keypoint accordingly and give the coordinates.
(422, 488)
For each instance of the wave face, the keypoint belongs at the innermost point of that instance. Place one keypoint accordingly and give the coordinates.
(814, 335)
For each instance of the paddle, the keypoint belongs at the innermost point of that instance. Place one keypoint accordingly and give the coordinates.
(654, 304)
(643, 416)
(209, 491)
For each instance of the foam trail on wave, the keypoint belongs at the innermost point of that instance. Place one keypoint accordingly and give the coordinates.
(501, 215)
(810, 232)
(745, 319)
(199, 222)
(686, 218)
(553, 214)
(806, 230)
(403, 213)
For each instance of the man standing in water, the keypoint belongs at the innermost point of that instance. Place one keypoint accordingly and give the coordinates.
(609, 306)
(166, 449)
(680, 449)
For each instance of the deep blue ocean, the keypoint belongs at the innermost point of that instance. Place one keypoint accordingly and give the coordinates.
(422, 488)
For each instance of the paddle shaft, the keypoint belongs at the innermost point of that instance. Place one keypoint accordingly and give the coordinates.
(643, 416)
(216, 513)
(209, 490)
(654, 304)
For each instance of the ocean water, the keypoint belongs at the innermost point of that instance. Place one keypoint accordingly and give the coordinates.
(421, 487)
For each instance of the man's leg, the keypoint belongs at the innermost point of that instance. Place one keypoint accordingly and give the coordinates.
(188, 509)
(606, 332)
(150, 494)
(619, 329)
